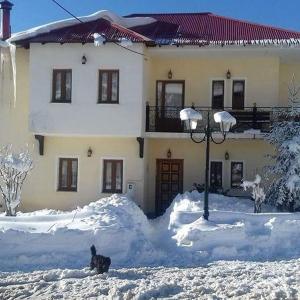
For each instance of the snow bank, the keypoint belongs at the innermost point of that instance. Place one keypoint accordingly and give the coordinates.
(105, 14)
(119, 229)
(48, 238)
(233, 231)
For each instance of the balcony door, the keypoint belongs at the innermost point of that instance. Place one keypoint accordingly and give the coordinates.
(169, 102)
(238, 94)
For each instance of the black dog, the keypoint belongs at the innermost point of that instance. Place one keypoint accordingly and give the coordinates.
(101, 263)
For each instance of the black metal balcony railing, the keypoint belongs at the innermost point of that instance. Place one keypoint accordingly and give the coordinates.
(166, 119)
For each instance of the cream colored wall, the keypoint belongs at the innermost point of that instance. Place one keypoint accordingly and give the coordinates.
(286, 74)
(261, 75)
(251, 152)
(41, 187)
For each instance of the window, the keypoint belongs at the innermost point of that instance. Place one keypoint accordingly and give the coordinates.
(237, 170)
(169, 97)
(217, 94)
(216, 175)
(238, 94)
(112, 176)
(108, 86)
(62, 86)
(68, 174)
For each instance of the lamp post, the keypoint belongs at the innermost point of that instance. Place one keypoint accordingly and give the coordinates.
(226, 121)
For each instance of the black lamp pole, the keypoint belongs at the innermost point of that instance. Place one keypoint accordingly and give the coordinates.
(207, 137)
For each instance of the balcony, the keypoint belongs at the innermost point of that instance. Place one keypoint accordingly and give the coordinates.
(166, 119)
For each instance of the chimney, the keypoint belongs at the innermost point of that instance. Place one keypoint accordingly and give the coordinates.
(5, 8)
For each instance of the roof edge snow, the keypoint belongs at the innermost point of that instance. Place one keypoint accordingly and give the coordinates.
(102, 14)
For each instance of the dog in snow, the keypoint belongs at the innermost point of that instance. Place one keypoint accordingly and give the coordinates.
(101, 263)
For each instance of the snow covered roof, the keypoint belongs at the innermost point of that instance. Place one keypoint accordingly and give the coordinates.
(71, 30)
(202, 29)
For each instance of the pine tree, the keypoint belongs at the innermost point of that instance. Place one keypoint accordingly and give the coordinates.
(284, 190)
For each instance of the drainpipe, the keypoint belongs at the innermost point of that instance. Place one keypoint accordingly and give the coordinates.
(5, 8)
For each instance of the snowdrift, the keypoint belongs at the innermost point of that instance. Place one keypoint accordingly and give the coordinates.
(181, 237)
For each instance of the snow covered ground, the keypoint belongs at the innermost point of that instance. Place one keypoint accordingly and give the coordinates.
(45, 254)
(49, 239)
(220, 280)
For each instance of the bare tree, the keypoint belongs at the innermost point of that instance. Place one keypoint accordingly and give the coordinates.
(14, 167)
(257, 192)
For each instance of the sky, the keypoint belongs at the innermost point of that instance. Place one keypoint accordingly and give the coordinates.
(279, 13)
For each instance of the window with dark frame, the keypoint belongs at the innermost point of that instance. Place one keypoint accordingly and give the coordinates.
(237, 170)
(108, 86)
(68, 174)
(238, 94)
(112, 176)
(218, 94)
(62, 86)
(216, 174)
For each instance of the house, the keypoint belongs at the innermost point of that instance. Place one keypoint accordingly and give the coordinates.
(105, 119)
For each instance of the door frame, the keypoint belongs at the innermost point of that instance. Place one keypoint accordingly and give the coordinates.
(181, 177)
(163, 90)
(245, 89)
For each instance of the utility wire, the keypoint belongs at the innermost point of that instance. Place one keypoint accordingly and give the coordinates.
(68, 12)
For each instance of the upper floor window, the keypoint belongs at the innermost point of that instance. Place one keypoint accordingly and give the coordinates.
(238, 94)
(68, 174)
(112, 176)
(217, 101)
(62, 86)
(108, 86)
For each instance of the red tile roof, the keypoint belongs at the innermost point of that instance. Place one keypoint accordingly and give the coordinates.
(172, 28)
(207, 28)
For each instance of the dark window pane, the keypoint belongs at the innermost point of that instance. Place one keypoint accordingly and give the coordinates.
(104, 86)
(114, 87)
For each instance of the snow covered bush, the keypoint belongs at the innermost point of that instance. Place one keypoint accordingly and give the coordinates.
(284, 190)
(14, 168)
(257, 192)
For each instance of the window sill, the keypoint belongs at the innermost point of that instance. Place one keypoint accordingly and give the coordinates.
(100, 102)
(112, 192)
(62, 190)
(61, 102)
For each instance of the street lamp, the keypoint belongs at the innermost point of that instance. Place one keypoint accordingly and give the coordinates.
(226, 121)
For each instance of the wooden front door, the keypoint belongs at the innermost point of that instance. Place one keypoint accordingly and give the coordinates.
(169, 182)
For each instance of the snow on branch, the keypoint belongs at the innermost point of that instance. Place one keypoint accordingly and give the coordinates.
(14, 167)
(257, 192)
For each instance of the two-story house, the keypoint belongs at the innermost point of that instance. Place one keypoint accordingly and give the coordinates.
(105, 119)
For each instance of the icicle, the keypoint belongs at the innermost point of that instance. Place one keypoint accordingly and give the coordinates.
(12, 49)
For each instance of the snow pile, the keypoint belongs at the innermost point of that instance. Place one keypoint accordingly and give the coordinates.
(119, 229)
(230, 234)
(48, 238)
(104, 14)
